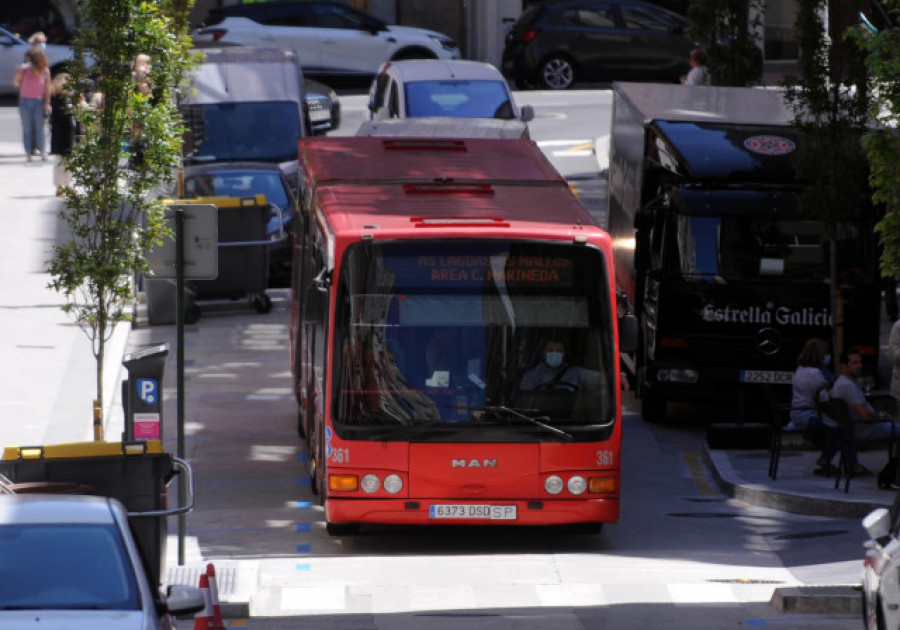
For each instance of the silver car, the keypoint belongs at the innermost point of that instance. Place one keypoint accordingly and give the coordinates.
(426, 88)
(881, 568)
(70, 561)
(12, 53)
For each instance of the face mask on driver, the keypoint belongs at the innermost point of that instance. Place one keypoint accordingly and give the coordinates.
(553, 358)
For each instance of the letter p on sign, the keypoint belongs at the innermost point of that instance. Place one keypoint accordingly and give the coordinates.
(147, 390)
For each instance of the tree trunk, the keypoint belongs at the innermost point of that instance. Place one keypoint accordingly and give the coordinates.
(98, 402)
(837, 305)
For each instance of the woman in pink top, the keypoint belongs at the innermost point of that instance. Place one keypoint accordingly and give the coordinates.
(33, 80)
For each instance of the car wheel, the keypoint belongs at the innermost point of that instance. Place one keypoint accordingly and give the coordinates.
(556, 73)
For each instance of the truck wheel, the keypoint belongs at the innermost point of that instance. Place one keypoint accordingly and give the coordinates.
(653, 406)
(557, 72)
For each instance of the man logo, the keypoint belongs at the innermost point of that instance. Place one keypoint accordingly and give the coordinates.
(474, 463)
(768, 341)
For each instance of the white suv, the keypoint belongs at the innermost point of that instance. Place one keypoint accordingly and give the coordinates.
(330, 39)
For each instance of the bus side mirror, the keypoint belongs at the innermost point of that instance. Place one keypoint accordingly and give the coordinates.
(628, 333)
(641, 250)
(315, 303)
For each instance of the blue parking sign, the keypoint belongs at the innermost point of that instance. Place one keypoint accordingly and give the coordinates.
(147, 390)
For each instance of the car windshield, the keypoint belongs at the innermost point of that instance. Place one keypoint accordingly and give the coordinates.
(458, 99)
(65, 567)
(236, 183)
(266, 132)
(436, 338)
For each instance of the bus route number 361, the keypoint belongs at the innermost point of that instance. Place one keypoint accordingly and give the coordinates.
(605, 458)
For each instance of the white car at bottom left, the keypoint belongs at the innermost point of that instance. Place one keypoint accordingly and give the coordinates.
(70, 561)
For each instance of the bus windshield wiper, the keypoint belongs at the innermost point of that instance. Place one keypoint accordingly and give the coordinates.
(502, 412)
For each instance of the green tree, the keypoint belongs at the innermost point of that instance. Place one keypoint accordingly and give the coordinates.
(830, 101)
(729, 30)
(883, 146)
(130, 145)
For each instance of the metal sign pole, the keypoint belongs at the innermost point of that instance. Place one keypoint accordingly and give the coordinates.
(179, 363)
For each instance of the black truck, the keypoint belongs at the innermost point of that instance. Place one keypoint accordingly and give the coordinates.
(727, 276)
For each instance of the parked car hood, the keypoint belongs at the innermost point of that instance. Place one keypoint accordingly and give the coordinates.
(72, 620)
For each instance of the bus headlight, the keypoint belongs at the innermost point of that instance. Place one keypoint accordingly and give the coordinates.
(370, 483)
(576, 485)
(554, 484)
(393, 484)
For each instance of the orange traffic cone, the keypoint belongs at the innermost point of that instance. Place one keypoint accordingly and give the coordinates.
(218, 623)
(203, 620)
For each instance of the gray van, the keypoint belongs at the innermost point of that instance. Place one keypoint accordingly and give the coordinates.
(245, 104)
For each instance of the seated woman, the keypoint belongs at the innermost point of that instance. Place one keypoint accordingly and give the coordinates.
(810, 386)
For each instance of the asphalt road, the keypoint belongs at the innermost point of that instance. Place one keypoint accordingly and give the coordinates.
(670, 561)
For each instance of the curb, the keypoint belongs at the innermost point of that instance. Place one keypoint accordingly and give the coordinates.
(841, 600)
(730, 482)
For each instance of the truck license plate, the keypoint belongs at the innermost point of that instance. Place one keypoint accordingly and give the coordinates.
(766, 376)
(488, 512)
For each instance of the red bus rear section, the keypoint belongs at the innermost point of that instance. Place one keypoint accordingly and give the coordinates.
(454, 337)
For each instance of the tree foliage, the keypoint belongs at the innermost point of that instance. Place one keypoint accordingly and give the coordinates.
(830, 101)
(729, 30)
(128, 147)
(883, 146)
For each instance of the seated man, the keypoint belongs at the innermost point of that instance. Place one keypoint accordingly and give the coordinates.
(869, 425)
(554, 371)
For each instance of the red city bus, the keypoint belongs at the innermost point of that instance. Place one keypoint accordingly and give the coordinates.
(436, 284)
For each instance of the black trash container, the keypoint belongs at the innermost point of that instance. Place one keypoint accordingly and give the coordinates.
(134, 473)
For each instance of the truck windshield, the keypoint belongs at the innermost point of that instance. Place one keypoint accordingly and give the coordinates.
(736, 248)
(264, 131)
(437, 339)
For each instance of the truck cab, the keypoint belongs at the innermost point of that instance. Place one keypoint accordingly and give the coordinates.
(726, 274)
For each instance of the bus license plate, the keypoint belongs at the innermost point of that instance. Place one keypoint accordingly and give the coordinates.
(488, 512)
(766, 376)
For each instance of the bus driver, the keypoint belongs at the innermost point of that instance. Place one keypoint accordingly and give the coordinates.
(554, 371)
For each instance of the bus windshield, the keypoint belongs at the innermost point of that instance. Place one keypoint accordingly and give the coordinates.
(438, 339)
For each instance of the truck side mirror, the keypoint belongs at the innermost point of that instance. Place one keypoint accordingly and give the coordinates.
(628, 334)
(643, 218)
(641, 250)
